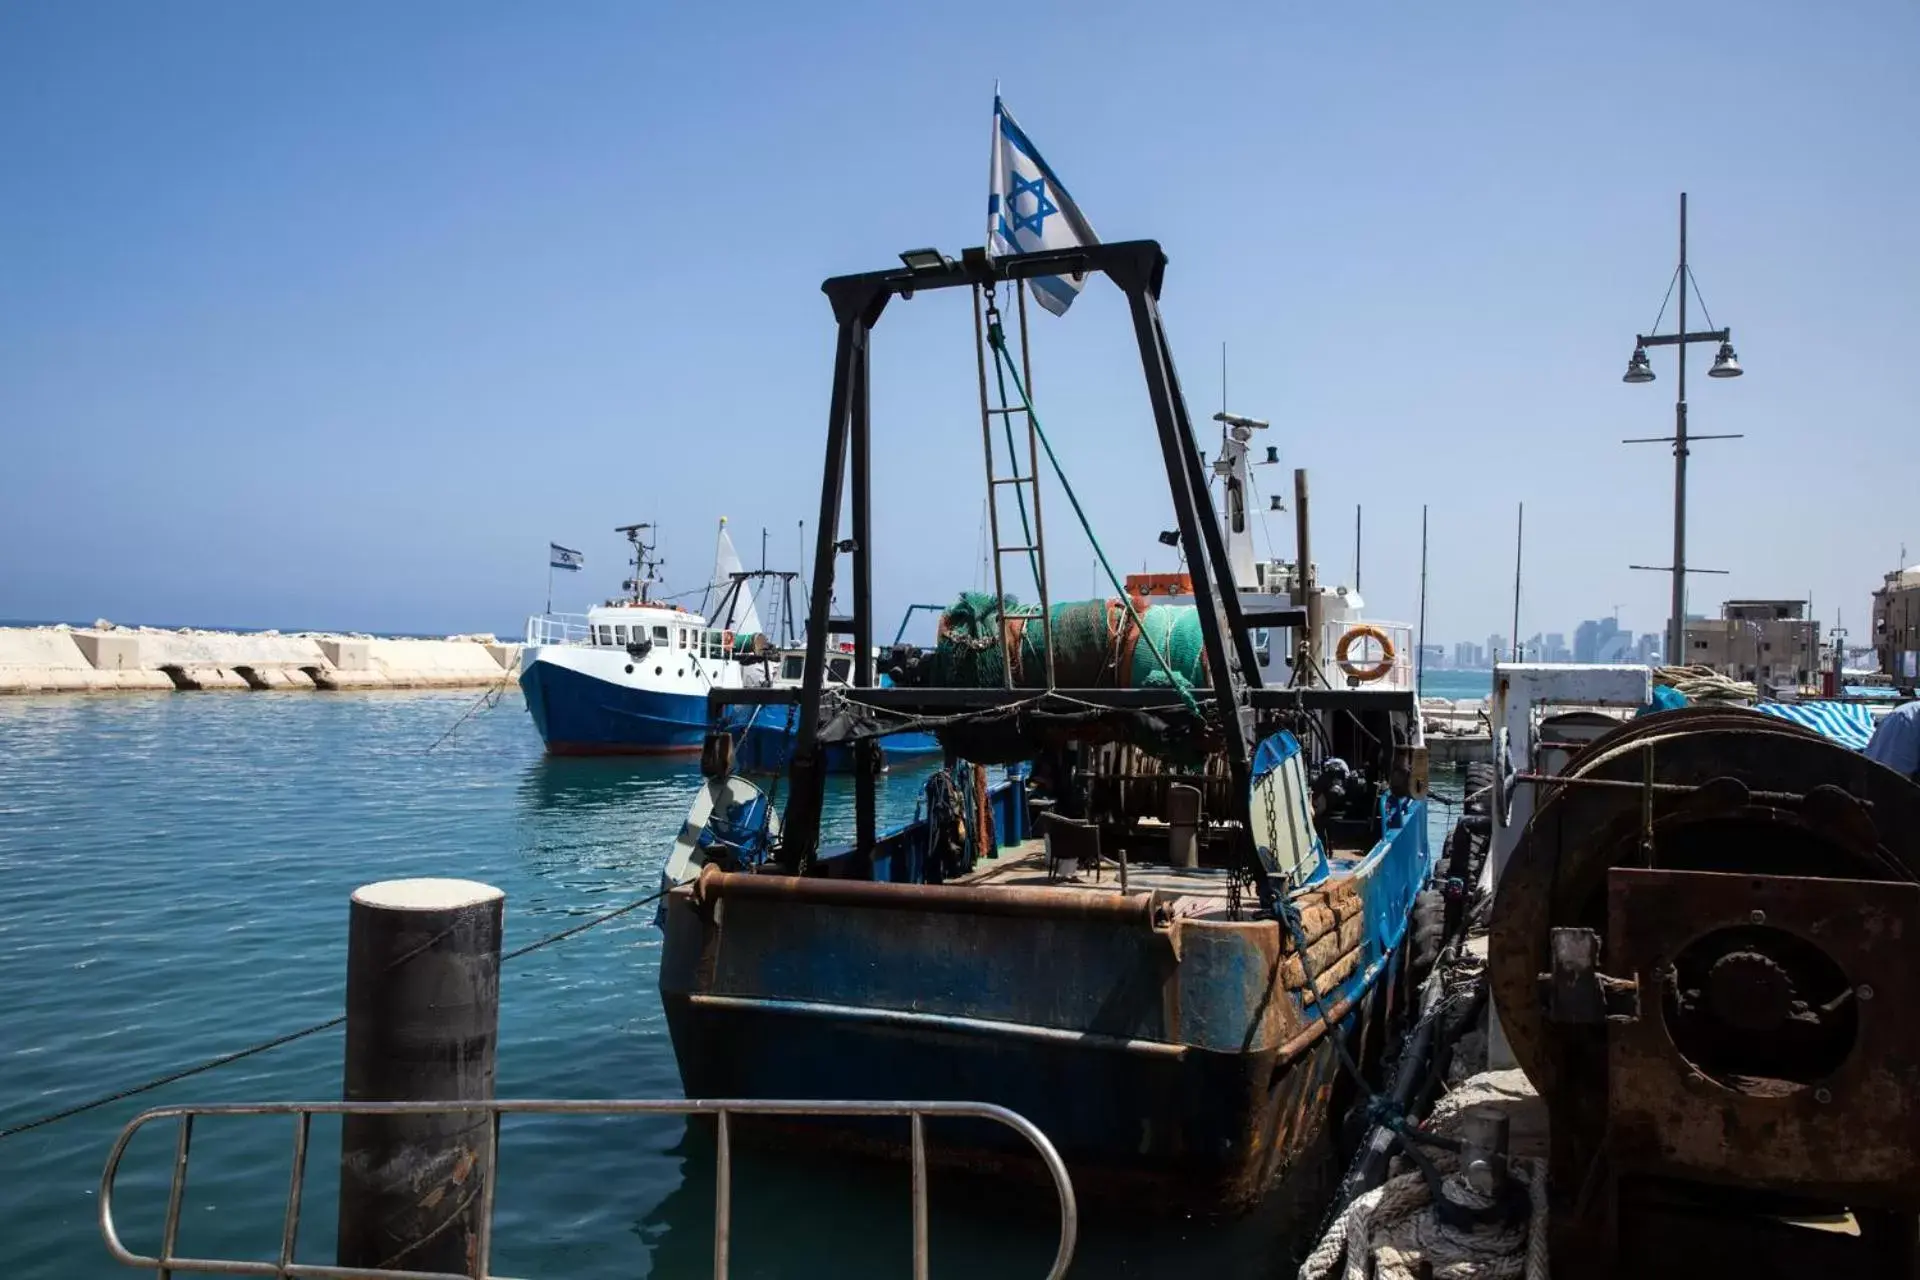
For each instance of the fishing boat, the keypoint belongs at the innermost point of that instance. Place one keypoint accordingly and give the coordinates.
(631, 676)
(1173, 932)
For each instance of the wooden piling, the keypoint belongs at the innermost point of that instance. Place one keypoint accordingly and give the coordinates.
(423, 1013)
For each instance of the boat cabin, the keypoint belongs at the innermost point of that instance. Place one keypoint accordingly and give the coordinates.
(655, 626)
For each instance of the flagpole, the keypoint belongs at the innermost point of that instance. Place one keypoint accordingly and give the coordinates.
(549, 582)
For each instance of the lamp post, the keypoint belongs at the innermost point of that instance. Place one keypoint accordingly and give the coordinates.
(1725, 365)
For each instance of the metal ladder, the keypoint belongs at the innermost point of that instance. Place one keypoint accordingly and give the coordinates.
(994, 407)
(169, 1261)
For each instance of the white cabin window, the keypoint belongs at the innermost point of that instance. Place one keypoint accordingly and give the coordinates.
(679, 637)
(659, 635)
(793, 667)
(603, 634)
(716, 644)
(619, 635)
(838, 669)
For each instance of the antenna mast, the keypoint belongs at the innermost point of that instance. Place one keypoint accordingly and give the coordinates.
(646, 567)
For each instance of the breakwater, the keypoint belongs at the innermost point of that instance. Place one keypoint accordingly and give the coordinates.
(105, 658)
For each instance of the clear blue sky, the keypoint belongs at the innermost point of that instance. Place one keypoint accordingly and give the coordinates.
(332, 315)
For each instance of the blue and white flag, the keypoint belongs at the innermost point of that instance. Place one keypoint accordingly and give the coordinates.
(559, 557)
(1028, 210)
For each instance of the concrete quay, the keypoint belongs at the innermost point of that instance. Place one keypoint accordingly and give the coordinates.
(1458, 731)
(106, 659)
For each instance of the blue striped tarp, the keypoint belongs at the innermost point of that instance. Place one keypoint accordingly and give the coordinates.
(1846, 723)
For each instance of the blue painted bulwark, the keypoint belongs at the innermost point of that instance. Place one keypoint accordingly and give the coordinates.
(765, 745)
(1174, 1061)
(578, 714)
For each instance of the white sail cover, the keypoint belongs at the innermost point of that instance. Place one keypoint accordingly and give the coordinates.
(743, 615)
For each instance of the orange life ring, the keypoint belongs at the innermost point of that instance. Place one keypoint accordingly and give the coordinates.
(1342, 653)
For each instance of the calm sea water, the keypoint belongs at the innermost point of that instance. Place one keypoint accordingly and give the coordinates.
(1456, 684)
(174, 877)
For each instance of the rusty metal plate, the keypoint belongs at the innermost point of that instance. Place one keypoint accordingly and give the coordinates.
(1848, 1126)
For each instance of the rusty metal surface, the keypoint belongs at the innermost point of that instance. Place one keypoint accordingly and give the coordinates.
(1857, 821)
(715, 886)
(1842, 1115)
(1753, 883)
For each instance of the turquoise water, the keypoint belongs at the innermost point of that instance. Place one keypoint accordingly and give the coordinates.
(174, 876)
(1456, 684)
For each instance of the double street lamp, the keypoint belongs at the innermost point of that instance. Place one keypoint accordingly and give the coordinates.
(1725, 365)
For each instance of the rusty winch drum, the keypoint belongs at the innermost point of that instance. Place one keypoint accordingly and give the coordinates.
(1704, 950)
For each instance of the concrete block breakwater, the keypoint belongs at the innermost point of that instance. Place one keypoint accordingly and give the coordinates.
(106, 658)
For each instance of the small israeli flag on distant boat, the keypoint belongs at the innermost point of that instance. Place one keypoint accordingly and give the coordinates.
(559, 557)
(1028, 210)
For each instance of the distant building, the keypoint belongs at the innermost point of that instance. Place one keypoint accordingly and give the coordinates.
(1769, 642)
(1648, 649)
(1617, 647)
(1896, 625)
(1496, 648)
(1466, 655)
(1556, 648)
(1595, 639)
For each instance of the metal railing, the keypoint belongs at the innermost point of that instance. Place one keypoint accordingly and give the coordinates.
(168, 1261)
(1398, 676)
(558, 628)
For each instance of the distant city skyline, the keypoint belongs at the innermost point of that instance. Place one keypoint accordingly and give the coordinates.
(1594, 640)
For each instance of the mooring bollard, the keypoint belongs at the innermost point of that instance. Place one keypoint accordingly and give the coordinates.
(423, 1012)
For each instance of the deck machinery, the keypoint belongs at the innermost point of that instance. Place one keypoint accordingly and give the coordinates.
(1703, 955)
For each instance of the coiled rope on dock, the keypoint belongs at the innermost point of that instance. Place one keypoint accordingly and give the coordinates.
(1704, 684)
(199, 1068)
(1390, 1232)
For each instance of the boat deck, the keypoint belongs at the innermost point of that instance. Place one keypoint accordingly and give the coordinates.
(1194, 893)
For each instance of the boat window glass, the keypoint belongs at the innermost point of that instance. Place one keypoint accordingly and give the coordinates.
(619, 635)
(679, 637)
(838, 669)
(716, 644)
(603, 634)
(793, 668)
(659, 635)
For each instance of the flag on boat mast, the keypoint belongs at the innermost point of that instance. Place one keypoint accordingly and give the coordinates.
(559, 557)
(1028, 210)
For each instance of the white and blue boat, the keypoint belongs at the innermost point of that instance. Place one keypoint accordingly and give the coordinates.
(631, 677)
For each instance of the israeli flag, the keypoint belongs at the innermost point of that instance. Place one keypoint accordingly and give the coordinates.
(1028, 210)
(559, 557)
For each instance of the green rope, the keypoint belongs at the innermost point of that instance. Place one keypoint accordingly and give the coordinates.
(998, 340)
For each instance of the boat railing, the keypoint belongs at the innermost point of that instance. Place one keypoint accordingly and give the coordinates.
(168, 1261)
(558, 628)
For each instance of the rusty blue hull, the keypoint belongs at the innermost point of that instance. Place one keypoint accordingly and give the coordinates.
(1174, 1062)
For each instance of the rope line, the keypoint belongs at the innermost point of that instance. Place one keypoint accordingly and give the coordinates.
(998, 339)
(120, 1095)
(1663, 303)
(1700, 297)
(489, 698)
